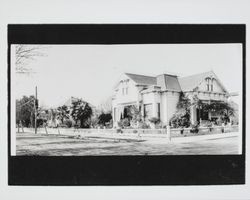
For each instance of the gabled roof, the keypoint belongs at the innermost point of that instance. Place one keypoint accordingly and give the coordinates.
(141, 79)
(189, 83)
(171, 82)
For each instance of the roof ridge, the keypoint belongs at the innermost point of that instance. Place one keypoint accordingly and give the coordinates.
(140, 75)
(195, 74)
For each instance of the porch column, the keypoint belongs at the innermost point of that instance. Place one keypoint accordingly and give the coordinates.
(142, 110)
(193, 114)
(115, 116)
(154, 109)
(209, 115)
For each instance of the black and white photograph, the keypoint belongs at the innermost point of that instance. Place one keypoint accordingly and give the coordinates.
(126, 99)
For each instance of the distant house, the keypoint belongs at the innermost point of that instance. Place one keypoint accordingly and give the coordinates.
(158, 96)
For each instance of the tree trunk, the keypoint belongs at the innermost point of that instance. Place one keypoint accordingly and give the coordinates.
(81, 123)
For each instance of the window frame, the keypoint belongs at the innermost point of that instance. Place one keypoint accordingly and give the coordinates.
(146, 116)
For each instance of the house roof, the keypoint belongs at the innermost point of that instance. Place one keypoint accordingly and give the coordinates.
(187, 83)
(168, 82)
(141, 79)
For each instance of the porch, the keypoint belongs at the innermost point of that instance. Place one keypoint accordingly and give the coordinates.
(135, 110)
(203, 111)
(122, 111)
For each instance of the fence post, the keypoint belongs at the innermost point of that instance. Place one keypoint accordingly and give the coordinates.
(22, 127)
(168, 133)
(46, 129)
(223, 128)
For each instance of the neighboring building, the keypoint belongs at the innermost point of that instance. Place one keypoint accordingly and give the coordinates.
(158, 96)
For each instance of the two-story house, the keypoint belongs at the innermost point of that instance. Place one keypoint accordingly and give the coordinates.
(158, 96)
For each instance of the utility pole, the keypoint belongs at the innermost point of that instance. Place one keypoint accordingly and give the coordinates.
(35, 108)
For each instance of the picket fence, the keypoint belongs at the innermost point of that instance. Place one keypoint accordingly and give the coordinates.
(172, 132)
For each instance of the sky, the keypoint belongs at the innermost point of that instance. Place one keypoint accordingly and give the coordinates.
(91, 71)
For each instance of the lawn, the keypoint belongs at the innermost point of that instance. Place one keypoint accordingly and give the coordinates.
(59, 145)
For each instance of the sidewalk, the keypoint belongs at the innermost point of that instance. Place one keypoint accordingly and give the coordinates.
(204, 137)
(151, 138)
(156, 138)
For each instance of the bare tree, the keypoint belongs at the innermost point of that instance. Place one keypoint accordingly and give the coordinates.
(24, 54)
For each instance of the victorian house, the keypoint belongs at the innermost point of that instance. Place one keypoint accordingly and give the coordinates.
(158, 96)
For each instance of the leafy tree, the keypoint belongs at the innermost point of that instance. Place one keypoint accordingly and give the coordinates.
(25, 111)
(196, 102)
(81, 112)
(42, 116)
(40, 122)
(182, 116)
(63, 113)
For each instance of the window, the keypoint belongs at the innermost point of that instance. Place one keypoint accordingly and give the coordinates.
(212, 85)
(207, 80)
(147, 110)
(124, 87)
(158, 110)
(209, 83)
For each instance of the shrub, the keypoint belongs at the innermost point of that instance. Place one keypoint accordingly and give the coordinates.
(63, 126)
(159, 125)
(143, 125)
(206, 123)
(68, 123)
(219, 121)
(154, 120)
(124, 123)
(40, 122)
(104, 118)
(195, 128)
(135, 131)
(179, 120)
